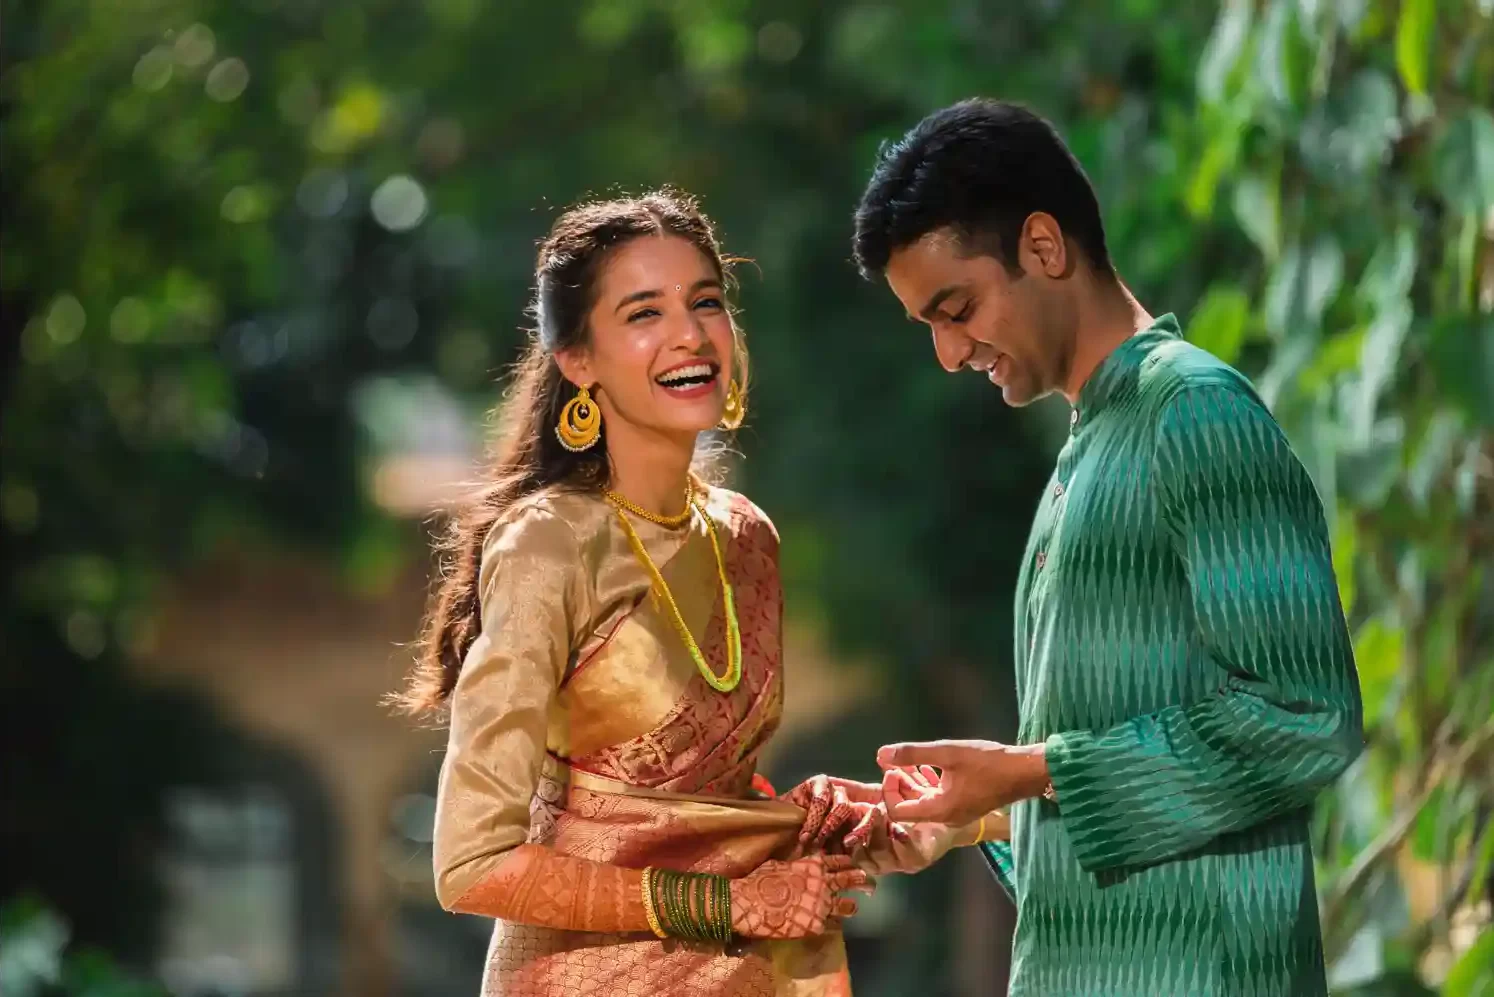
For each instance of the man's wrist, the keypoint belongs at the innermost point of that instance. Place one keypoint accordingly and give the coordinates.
(1034, 780)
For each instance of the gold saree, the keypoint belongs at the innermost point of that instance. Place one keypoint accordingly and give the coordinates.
(581, 724)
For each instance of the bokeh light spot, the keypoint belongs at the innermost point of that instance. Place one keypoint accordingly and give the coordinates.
(66, 319)
(227, 80)
(322, 193)
(195, 46)
(246, 203)
(399, 204)
(130, 321)
(779, 41)
(392, 323)
(153, 71)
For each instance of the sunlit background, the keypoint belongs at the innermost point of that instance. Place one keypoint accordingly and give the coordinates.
(264, 261)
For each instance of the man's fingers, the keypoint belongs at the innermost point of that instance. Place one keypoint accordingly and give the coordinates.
(930, 774)
(918, 753)
(929, 808)
(899, 785)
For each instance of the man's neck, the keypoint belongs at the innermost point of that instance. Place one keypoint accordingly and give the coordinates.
(1108, 315)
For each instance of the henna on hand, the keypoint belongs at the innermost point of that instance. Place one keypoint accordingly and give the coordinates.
(795, 899)
(534, 884)
(831, 805)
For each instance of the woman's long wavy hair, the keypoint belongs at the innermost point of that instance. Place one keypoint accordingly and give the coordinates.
(525, 456)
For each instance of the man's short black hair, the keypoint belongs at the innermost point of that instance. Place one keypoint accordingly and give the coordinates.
(979, 168)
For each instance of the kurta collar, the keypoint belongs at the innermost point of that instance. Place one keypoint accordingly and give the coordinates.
(1116, 376)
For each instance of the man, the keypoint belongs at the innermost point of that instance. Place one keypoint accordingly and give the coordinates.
(1185, 679)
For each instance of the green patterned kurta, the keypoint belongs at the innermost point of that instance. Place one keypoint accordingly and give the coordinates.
(1181, 648)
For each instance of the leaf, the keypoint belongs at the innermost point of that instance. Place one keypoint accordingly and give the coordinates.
(1473, 974)
(1483, 863)
(1368, 470)
(1388, 275)
(1462, 349)
(1413, 42)
(1286, 363)
(1378, 361)
(1362, 961)
(1465, 161)
(1345, 548)
(1281, 59)
(1258, 210)
(1218, 156)
(1379, 650)
(1219, 322)
(1434, 455)
(31, 954)
(1223, 51)
(1301, 286)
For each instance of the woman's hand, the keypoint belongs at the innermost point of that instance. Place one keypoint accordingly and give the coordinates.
(839, 813)
(796, 899)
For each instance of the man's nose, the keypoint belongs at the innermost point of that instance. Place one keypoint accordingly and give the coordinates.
(951, 348)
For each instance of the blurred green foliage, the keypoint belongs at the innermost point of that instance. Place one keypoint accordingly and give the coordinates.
(231, 224)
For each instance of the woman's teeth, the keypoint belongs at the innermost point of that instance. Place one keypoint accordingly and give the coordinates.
(688, 377)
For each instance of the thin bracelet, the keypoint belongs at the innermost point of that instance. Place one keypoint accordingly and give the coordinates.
(647, 887)
(980, 831)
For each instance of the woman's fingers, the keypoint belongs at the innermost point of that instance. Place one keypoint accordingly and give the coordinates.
(852, 879)
(844, 907)
(837, 863)
(860, 835)
(840, 813)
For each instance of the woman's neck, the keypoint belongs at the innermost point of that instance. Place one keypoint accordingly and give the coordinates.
(650, 469)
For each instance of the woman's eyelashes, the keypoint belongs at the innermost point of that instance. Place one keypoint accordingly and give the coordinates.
(709, 303)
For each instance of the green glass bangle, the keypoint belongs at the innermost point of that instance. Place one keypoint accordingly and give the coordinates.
(663, 879)
(675, 901)
(723, 910)
(701, 887)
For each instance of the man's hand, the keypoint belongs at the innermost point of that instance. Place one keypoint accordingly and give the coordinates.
(975, 778)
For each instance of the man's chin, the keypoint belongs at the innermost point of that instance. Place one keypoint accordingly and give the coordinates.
(1017, 395)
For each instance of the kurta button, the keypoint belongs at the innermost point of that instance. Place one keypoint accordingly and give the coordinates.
(1074, 418)
(1042, 559)
(1058, 489)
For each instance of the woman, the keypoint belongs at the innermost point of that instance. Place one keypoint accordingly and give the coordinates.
(606, 640)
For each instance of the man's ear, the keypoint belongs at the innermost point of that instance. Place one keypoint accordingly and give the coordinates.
(1042, 247)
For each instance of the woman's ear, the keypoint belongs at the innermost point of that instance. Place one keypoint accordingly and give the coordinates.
(575, 366)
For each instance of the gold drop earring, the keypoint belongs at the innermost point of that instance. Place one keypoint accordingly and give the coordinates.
(735, 409)
(580, 423)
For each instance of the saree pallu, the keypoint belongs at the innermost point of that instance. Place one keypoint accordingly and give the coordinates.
(608, 821)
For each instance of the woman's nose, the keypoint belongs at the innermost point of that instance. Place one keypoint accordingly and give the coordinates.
(691, 331)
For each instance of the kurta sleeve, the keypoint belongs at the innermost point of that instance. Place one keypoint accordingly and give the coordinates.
(533, 599)
(1247, 525)
(998, 856)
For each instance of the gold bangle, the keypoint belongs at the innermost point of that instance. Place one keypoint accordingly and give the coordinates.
(980, 831)
(647, 888)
